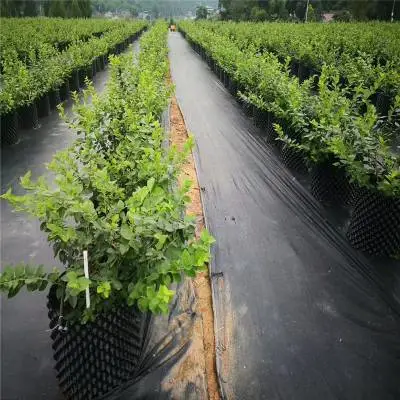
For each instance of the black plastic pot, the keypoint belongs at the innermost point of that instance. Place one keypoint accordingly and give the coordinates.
(89, 71)
(221, 75)
(97, 64)
(226, 80)
(102, 62)
(382, 103)
(294, 159)
(94, 68)
(64, 91)
(260, 118)
(9, 127)
(216, 69)
(330, 184)
(233, 87)
(43, 106)
(74, 81)
(209, 61)
(82, 76)
(28, 117)
(375, 224)
(247, 108)
(93, 359)
(294, 68)
(54, 98)
(303, 72)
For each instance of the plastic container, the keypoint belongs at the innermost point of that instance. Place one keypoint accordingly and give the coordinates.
(247, 108)
(375, 224)
(95, 358)
(294, 159)
(260, 118)
(74, 81)
(54, 98)
(28, 117)
(43, 106)
(330, 184)
(9, 128)
(64, 91)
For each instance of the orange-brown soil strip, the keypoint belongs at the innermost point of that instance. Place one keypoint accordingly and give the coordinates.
(201, 283)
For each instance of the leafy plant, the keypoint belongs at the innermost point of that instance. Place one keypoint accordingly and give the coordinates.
(115, 195)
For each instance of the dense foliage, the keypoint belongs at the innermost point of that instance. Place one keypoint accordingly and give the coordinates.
(365, 55)
(39, 54)
(328, 122)
(115, 194)
(153, 8)
(48, 8)
(295, 10)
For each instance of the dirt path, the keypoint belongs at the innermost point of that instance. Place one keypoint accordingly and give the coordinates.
(201, 283)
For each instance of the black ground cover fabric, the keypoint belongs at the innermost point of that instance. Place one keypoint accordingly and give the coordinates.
(299, 313)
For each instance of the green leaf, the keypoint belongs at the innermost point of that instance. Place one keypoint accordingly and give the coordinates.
(150, 184)
(206, 237)
(126, 232)
(124, 248)
(187, 260)
(161, 240)
(73, 301)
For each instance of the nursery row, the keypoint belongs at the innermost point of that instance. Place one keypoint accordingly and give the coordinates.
(27, 35)
(114, 195)
(51, 70)
(349, 153)
(366, 56)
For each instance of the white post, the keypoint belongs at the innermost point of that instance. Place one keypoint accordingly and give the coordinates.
(308, 2)
(392, 14)
(86, 269)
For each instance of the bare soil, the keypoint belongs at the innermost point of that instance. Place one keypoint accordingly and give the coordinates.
(201, 283)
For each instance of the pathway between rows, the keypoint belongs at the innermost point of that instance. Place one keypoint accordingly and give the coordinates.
(26, 356)
(298, 313)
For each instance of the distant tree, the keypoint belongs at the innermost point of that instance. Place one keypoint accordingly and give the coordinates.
(281, 10)
(75, 10)
(57, 9)
(11, 8)
(201, 12)
(30, 8)
(46, 7)
(291, 6)
(258, 14)
(134, 12)
(237, 10)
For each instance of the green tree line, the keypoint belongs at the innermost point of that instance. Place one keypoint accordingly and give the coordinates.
(260, 10)
(156, 8)
(48, 8)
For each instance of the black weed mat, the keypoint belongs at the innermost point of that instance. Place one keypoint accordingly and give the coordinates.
(299, 313)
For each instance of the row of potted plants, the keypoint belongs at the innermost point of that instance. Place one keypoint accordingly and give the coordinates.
(115, 196)
(348, 152)
(27, 34)
(366, 56)
(21, 84)
(30, 93)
